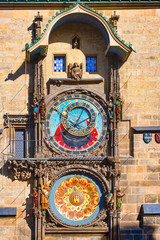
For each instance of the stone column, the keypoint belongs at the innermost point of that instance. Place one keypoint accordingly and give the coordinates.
(110, 224)
(118, 224)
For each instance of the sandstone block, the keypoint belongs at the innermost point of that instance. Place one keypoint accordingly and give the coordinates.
(150, 198)
(139, 190)
(123, 176)
(153, 176)
(135, 198)
(157, 220)
(129, 217)
(149, 220)
(140, 169)
(154, 168)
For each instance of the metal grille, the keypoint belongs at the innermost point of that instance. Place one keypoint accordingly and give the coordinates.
(59, 64)
(19, 143)
(91, 64)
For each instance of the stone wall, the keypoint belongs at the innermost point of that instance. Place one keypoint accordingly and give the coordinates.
(140, 77)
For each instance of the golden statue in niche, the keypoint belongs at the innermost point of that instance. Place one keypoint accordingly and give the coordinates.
(75, 43)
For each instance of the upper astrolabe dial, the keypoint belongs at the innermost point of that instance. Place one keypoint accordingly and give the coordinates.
(76, 124)
(78, 118)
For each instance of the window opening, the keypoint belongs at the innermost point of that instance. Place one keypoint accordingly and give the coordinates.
(19, 143)
(91, 64)
(59, 64)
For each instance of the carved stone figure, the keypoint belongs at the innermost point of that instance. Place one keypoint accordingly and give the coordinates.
(35, 198)
(35, 108)
(118, 107)
(44, 197)
(119, 198)
(109, 200)
(43, 109)
(110, 109)
(75, 71)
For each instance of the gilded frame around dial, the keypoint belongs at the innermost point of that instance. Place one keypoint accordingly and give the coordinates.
(76, 123)
(76, 199)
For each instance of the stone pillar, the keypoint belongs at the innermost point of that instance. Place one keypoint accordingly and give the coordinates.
(110, 224)
(118, 224)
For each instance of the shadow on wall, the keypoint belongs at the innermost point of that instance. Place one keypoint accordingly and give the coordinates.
(25, 206)
(13, 76)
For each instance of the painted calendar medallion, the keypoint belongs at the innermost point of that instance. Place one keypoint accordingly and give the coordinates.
(76, 199)
(76, 124)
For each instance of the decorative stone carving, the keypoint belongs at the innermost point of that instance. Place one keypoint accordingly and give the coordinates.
(75, 71)
(38, 19)
(20, 169)
(114, 173)
(15, 119)
(113, 20)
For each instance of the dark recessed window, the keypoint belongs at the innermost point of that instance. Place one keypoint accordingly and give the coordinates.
(75, 43)
(59, 64)
(91, 64)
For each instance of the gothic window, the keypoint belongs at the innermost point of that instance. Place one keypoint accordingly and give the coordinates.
(75, 43)
(59, 63)
(19, 143)
(91, 64)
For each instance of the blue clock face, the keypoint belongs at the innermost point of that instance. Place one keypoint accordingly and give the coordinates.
(76, 124)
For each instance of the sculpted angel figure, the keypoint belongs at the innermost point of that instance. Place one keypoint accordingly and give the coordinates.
(45, 192)
(75, 71)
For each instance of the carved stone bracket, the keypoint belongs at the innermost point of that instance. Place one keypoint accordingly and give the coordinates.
(71, 81)
(15, 119)
(114, 173)
(22, 168)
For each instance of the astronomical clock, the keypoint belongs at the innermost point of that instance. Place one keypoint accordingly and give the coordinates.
(76, 130)
(72, 154)
(76, 124)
